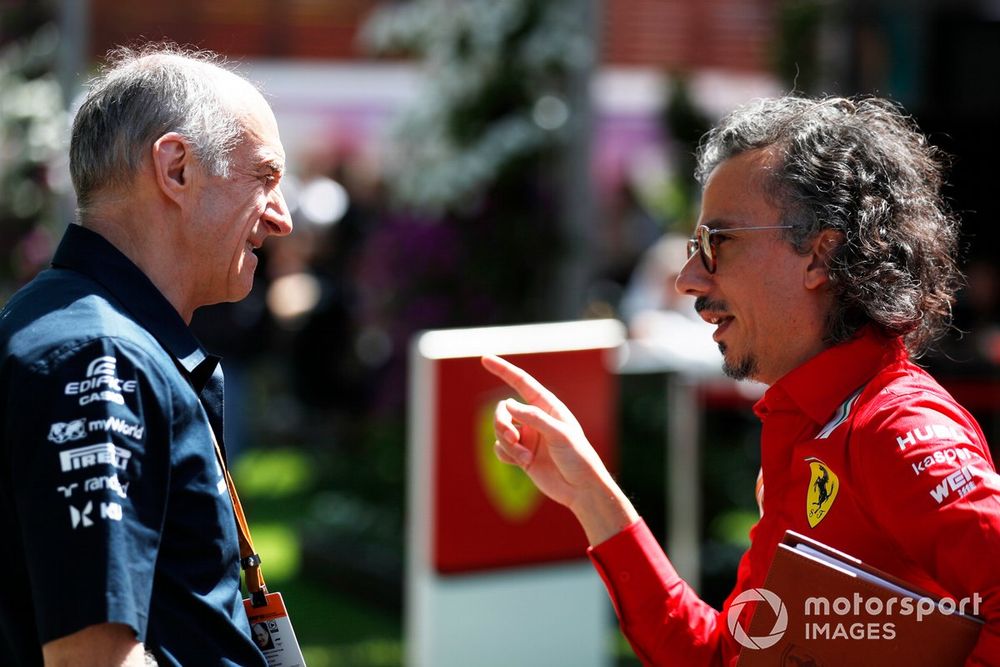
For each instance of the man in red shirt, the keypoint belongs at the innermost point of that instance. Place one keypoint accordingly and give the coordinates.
(825, 256)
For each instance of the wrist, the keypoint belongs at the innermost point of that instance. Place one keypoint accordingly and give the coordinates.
(603, 511)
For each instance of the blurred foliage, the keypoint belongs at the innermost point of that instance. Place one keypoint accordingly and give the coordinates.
(685, 123)
(277, 487)
(495, 96)
(796, 53)
(274, 473)
(464, 231)
(32, 138)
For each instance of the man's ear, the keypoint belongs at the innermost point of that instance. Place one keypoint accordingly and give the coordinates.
(823, 248)
(173, 162)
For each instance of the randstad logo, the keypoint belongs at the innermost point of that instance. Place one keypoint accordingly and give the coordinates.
(780, 621)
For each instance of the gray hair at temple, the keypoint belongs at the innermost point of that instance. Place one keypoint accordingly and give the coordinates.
(140, 95)
(862, 167)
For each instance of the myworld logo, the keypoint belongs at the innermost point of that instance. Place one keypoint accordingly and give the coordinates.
(780, 621)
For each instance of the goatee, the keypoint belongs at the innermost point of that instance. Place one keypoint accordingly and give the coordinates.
(741, 369)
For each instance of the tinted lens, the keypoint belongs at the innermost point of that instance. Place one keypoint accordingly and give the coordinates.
(704, 235)
(692, 247)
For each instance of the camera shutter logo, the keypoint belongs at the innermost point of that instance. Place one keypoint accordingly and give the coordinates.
(780, 622)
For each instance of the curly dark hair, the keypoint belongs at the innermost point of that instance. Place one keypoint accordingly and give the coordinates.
(860, 166)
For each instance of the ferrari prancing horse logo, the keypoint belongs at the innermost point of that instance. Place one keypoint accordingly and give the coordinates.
(508, 488)
(823, 488)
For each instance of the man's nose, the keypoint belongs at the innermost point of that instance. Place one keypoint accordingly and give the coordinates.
(694, 279)
(277, 216)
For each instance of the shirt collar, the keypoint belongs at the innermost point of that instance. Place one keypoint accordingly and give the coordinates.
(87, 252)
(820, 385)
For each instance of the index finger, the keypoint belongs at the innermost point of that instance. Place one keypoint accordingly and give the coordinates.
(530, 389)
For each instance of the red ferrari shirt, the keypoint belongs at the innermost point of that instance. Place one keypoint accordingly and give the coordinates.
(862, 450)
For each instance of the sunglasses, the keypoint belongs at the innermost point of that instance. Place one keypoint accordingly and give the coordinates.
(704, 244)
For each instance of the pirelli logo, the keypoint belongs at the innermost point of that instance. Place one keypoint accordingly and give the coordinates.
(92, 455)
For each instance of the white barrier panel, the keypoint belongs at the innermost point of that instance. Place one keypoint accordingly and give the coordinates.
(496, 573)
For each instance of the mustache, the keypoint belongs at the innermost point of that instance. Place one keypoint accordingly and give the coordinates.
(704, 303)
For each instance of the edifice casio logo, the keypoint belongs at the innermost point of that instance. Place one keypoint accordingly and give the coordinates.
(780, 620)
(101, 384)
(102, 366)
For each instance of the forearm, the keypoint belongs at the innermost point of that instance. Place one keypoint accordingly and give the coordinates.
(662, 617)
(603, 511)
(104, 645)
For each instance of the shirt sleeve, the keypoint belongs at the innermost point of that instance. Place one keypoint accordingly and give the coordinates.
(663, 618)
(927, 472)
(89, 436)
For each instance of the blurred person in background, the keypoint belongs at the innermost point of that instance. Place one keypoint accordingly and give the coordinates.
(119, 532)
(824, 256)
(660, 317)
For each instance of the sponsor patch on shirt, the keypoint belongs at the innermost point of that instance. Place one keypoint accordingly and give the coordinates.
(932, 432)
(92, 455)
(60, 432)
(957, 484)
(948, 455)
(98, 483)
(823, 488)
(101, 383)
(83, 517)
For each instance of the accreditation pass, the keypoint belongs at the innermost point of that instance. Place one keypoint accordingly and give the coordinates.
(271, 631)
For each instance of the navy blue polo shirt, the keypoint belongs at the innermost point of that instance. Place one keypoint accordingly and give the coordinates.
(113, 506)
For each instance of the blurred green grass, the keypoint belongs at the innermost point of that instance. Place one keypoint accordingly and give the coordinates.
(279, 489)
(334, 630)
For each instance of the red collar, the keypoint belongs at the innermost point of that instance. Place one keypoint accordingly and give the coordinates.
(820, 385)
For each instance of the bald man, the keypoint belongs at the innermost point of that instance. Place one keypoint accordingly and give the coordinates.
(118, 533)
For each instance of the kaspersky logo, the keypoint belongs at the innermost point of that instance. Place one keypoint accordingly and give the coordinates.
(780, 619)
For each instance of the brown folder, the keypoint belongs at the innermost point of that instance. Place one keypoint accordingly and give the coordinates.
(823, 608)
